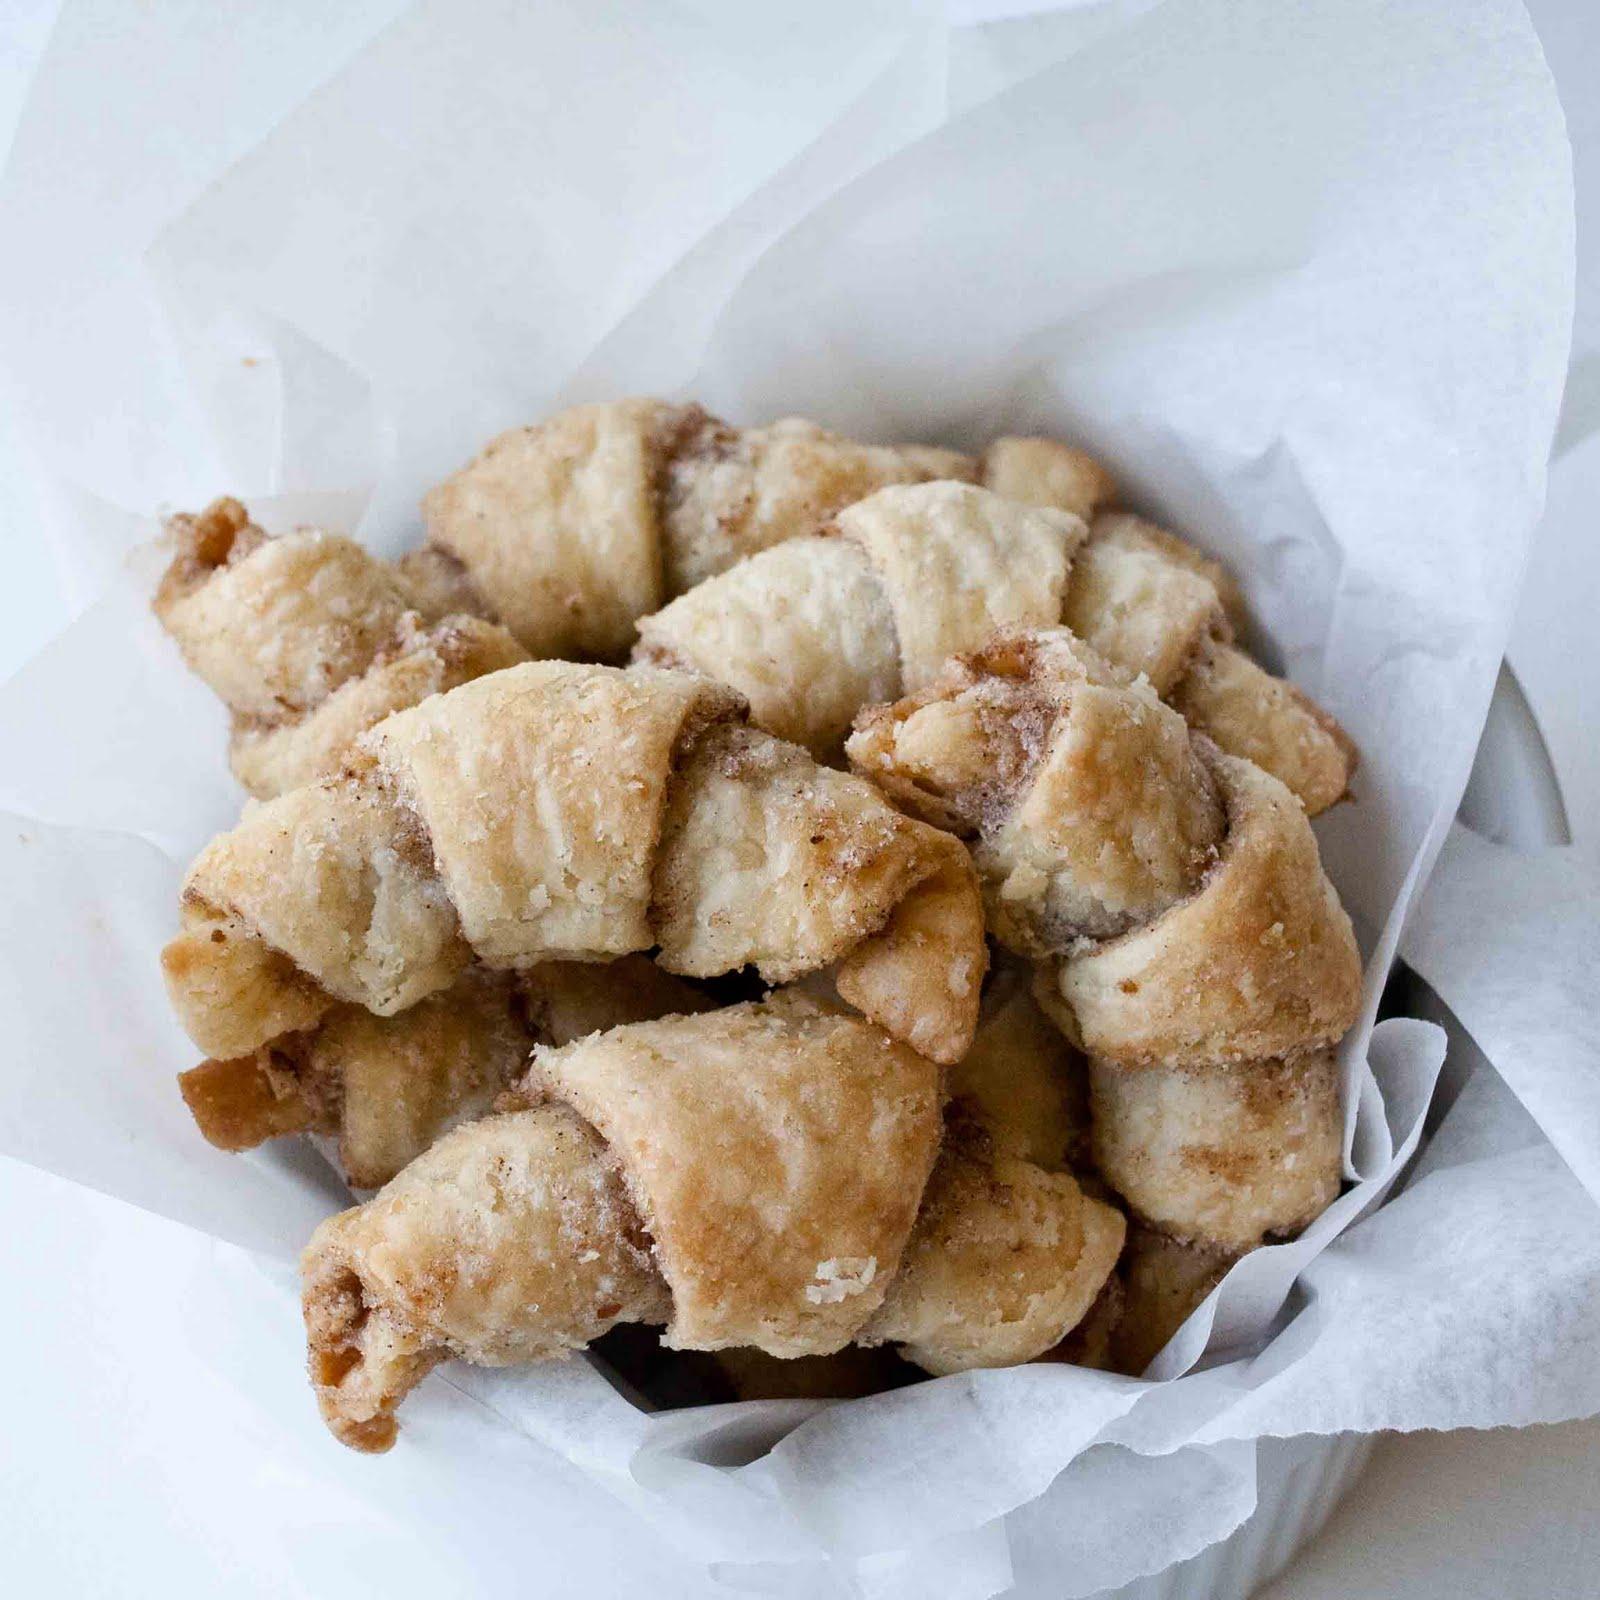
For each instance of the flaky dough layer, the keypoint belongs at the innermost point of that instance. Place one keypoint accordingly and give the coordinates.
(814, 630)
(552, 811)
(755, 1178)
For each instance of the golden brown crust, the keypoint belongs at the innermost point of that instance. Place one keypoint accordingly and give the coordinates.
(1005, 1260)
(1176, 897)
(384, 1087)
(541, 791)
(1093, 811)
(1249, 713)
(724, 1123)
(232, 991)
(1260, 961)
(309, 640)
(807, 628)
(556, 811)
(512, 1239)
(241, 1103)
(558, 526)
(732, 492)
(921, 975)
(737, 1135)
(959, 565)
(1178, 892)
(274, 626)
(339, 880)
(770, 861)
(575, 528)
(1221, 1155)
(813, 629)
(1143, 600)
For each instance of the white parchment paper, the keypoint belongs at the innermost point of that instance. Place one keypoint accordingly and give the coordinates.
(1300, 269)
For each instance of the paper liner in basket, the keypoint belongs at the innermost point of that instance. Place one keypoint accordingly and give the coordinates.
(1300, 271)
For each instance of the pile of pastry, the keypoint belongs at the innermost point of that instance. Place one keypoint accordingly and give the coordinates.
(850, 911)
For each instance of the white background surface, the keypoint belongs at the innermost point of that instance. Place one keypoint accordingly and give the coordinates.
(106, 1429)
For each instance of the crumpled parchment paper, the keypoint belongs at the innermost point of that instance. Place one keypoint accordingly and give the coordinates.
(1299, 269)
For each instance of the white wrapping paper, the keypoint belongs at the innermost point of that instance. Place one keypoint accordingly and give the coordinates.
(1300, 271)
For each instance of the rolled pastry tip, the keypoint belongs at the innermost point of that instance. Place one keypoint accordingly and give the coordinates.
(705, 1172)
(1022, 1080)
(1005, 1260)
(577, 526)
(558, 812)
(1173, 894)
(385, 1088)
(1221, 1156)
(309, 640)
(1163, 1281)
(657, 1178)
(815, 630)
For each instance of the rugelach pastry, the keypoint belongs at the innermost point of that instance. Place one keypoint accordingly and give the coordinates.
(814, 630)
(309, 640)
(767, 1176)
(1174, 901)
(553, 811)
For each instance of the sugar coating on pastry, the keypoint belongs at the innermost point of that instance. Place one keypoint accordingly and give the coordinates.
(768, 860)
(270, 758)
(1142, 609)
(233, 992)
(777, 1154)
(404, 1081)
(1046, 472)
(274, 625)
(513, 1239)
(437, 585)
(809, 628)
(554, 811)
(575, 528)
(1221, 1155)
(734, 491)
(959, 565)
(1259, 961)
(1023, 1081)
(342, 883)
(1094, 812)
(542, 790)
(1268, 721)
(1005, 1260)
(558, 524)
(1163, 1281)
